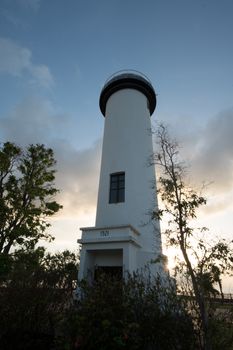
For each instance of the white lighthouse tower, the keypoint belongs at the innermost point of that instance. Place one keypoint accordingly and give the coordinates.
(124, 239)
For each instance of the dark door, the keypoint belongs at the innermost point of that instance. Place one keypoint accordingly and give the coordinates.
(109, 271)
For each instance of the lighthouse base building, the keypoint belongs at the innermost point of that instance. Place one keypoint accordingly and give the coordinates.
(125, 239)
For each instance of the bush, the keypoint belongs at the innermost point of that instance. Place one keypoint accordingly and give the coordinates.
(113, 314)
(35, 292)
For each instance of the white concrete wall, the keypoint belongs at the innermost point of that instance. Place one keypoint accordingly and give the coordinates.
(108, 257)
(107, 254)
(127, 146)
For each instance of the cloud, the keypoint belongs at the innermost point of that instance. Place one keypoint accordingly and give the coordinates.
(42, 75)
(16, 61)
(78, 178)
(208, 149)
(35, 120)
(12, 11)
(13, 58)
(213, 156)
(12, 18)
(30, 4)
(30, 121)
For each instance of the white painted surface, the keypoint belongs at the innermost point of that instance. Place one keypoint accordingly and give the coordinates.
(107, 257)
(125, 227)
(109, 234)
(106, 244)
(127, 146)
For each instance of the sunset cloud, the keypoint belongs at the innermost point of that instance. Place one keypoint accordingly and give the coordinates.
(213, 159)
(208, 152)
(35, 120)
(78, 177)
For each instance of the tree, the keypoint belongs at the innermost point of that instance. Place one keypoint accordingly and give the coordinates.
(26, 195)
(128, 314)
(35, 294)
(180, 204)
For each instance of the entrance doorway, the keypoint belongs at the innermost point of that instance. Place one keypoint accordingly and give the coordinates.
(109, 271)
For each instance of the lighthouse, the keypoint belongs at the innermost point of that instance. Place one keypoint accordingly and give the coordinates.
(125, 239)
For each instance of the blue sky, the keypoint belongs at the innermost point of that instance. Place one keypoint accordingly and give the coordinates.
(55, 56)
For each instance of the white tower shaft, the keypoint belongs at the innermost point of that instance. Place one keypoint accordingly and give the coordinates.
(127, 146)
(124, 236)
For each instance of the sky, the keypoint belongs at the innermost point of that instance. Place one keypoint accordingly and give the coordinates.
(54, 59)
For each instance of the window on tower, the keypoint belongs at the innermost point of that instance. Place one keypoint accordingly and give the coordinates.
(117, 188)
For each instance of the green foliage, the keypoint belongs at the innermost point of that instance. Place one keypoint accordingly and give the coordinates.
(38, 310)
(222, 328)
(35, 293)
(131, 314)
(181, 203)
(26, 195)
